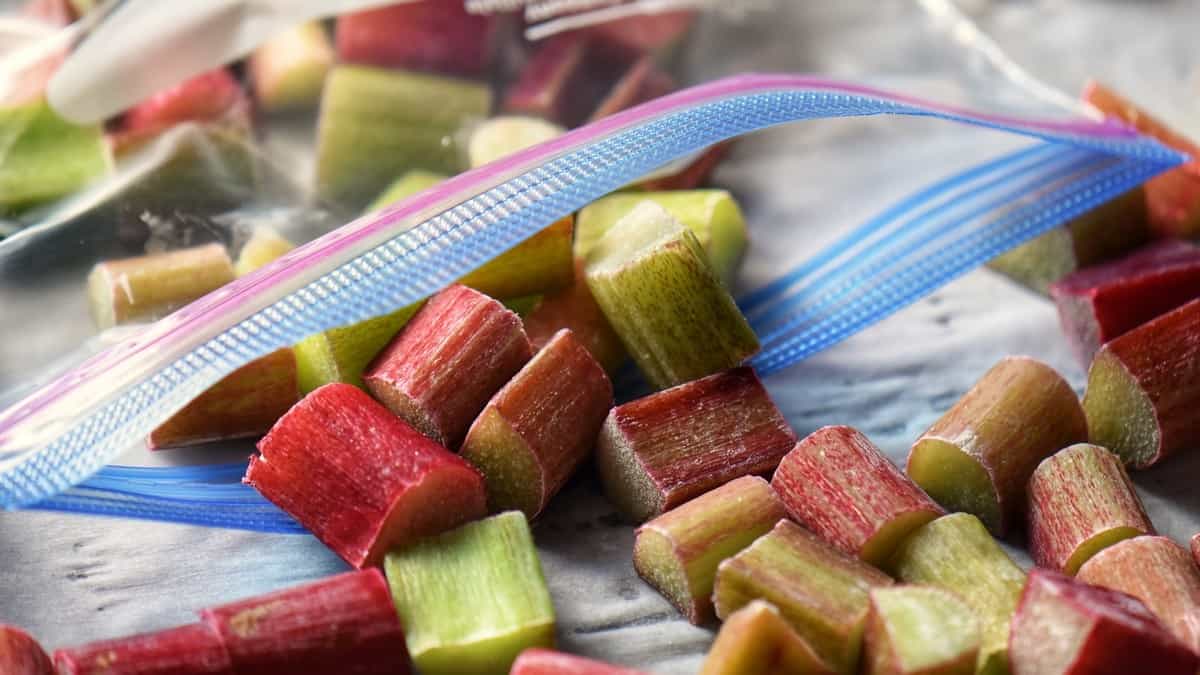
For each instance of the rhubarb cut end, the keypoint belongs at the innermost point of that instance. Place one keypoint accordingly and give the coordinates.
(920, 630)
(507, 464)
(879, 548)
(1097, 543)
(626, 483)
(757, 639)
(442, 501)
(955, 479)
(488, 656)
(1120, 415)
(20, 654)
(655, 560)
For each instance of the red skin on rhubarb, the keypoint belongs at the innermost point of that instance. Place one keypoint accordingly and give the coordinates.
(1080, 501)
(1158, 572)
(361, 479)
(1066, 627)
(188, 650)
(437, 36)
(660, 451)
(448, 361)
(343, 625)
(540, 426)
(206, 97)
(246, 403)
(541, 88)
(20, 654)
(1097, 304)
(642, 82)
(644, 33)
(538, 661)
(842, 488)
(1172, 197)
(574, 307)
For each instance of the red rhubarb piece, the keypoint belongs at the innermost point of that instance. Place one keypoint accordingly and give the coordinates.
(343, 625)
(188, 650)
(1097, 304)
(359, 478)
(841, 487)
(644, 33)
(538, 661)
(660, 451)
(431, 35)
(642, 82)
(540, 427)
(567, 78)
(204, 98)
(1066, 627)
(442, 368)
(20, 654)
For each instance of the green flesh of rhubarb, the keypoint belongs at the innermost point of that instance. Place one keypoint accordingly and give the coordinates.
(263, 246)
(916, 629)
(407, 185)
(757, 640)
(43, 157)
(341, 354)
(507, 462)
(712, 215)
(1120, 415)
(954, 479)
(472, 599)
(956, 553)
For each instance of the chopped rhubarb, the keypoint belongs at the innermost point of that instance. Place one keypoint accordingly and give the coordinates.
(654, 283)
(1066, 627)
(574, 307)
(44, 155)
(407, 185)
(919, 630)
(956, 553)
(694, 174)
(659, 451)
(1173, 197)
(979, 456)
(246, 403)
(1098, 304)
(822, 592)
(265, 245)
(1158, 572)
(1081, 501)
(207, 97)
(474, 598)
(756, 639)
(20, 654)
(644, 33)
(543, 87)
(840, 486)
(442, 368)
(342, 354)
(343, 625)
(642, 82)
(1144, 389)
(540, 426)
(436, 35)
(678, 552)
(194, 649)
(537, 661)
(359, 478)
(152, 286)
(540, 264)
(504, 135)
(289, 70)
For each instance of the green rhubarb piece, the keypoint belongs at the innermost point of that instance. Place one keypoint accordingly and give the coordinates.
(375, 124)
(473, 598)
(956, 553)
(920, 630)
(342, 354)
(756, 640)
(263, 246)
(655, 286)
(712, 215)
(150, 287)
(288, 71)
(821, 591)
(412, 182)
(43, 156)
(501, 136)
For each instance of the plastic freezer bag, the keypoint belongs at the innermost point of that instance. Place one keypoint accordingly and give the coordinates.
(931, 157)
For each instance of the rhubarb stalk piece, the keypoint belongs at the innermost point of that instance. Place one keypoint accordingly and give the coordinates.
(343, 625)
(757, 639)
(642, 82)
(661, 450)
(1158, 572)
(536, 661)
(1101, 303)
(956, 553)
(544, 85)
(653, 281)
(152, 286)
(540, 426)
(822, 592)
(245, 403)
(210, 97)
(43, 156)
(678, 552)
(712, 215)
(342, 354)
(412, 182)
(574, 307)
(359, 478)
(504, 135)
(20, 654)
(919, 630)
(431, 35)
(979, 456)
(836, 483)
(188, 650)
(289, 70)
(1172, 197)
(1104, 233)
(1081, 501)
(644, 33)
(542, 263)
(1144, 389)
(442, 368)
(694, 174)
(1065, 627)
(409, 121)
(264, 245)
(474, 598)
